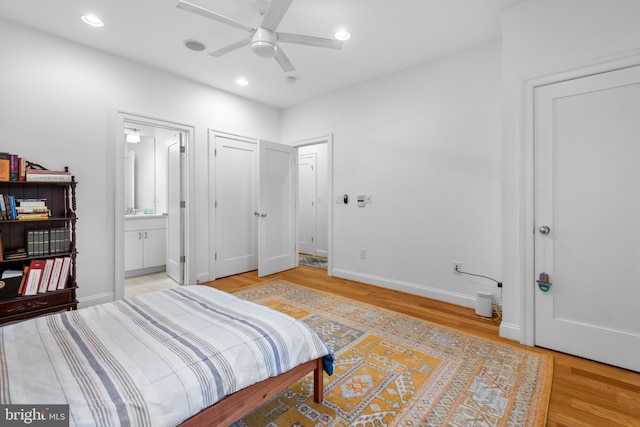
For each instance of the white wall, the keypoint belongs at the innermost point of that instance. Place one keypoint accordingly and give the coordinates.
(543, 38)
(425, 143)
(57, 109)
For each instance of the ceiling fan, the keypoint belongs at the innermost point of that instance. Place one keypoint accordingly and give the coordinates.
(263, 39)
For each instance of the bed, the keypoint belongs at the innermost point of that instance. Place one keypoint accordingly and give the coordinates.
(192, 355)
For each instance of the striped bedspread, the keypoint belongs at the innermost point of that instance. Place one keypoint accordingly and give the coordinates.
(156, 359)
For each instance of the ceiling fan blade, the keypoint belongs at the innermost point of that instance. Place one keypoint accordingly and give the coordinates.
(309, 40)
(231, 47)
(275, 13)
(190, 7)
(283, 60)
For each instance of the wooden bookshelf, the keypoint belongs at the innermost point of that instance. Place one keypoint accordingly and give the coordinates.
(61, 201)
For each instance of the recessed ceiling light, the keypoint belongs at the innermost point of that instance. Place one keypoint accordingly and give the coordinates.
(92, 20)
(242, 81)
(342, 35)
(194, 45)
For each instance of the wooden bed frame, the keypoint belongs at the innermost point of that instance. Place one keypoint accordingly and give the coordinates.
(233, 407)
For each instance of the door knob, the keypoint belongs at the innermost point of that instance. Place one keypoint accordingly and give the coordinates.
(256, 213)
(263, 214)
(544, 229)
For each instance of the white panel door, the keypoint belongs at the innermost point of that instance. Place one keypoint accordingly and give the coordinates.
(277, 222)
(236, 202)
(175, 212)
(587, 192)
(307, 209)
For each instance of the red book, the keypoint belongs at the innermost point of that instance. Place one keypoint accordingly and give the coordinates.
(14, 167)
(34, 276)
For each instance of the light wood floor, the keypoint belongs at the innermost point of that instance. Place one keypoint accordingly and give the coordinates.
(584, 393)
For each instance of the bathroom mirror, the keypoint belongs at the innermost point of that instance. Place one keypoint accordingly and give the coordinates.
(145, 169)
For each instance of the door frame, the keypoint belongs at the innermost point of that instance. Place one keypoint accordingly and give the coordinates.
(526, 268)
(328, 139)
(187, 175)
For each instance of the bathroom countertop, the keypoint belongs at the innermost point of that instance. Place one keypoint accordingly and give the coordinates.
(144, 216)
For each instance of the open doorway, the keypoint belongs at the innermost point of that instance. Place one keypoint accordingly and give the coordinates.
(151, 171)
(314, 202)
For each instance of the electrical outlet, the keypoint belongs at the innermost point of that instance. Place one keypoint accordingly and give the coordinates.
(457, 267)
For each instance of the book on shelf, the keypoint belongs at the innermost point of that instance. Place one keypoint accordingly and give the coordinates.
(11, 254)
(32, 216)
(7, 206)
(41, 175)
(1, 248)
(46, 276)
(5, 167)
(25, 272)
(12, 207)
(23, 169)
(55, 274)
(49, 241)
(3, 208)
(32, 203)
(34, 276)
(64, 272)
(32, 210)
(14, 167)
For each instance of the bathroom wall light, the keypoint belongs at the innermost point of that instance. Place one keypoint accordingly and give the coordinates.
(92, 20)
(133, 135)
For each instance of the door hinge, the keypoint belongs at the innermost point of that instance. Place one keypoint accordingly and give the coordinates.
(183, 259)
(183, 149)
(312, 240)
(215, 256)
(215, 204)
(183, 204)
(215, 151)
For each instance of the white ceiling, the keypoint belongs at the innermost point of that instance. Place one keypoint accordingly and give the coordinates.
(388, 36)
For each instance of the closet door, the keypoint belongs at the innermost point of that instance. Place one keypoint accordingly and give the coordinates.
(235, 204)
(587, 217)
(277, 214)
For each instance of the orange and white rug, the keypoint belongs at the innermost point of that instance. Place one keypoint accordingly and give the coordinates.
(396, 370)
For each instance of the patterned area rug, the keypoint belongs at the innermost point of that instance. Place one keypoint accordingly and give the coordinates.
(397, 370)
(313, 261)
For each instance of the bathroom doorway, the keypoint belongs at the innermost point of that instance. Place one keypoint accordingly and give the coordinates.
(152, 203)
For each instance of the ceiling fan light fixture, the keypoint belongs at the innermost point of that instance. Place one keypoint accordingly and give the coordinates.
(92, 20)
(264, 43)
(342, 35)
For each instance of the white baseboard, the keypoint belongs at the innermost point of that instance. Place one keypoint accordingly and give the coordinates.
(510, 331)
(96, 299)
(202, 277)
(410, 288)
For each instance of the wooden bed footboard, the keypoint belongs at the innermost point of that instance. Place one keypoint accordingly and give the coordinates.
(233, 407)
